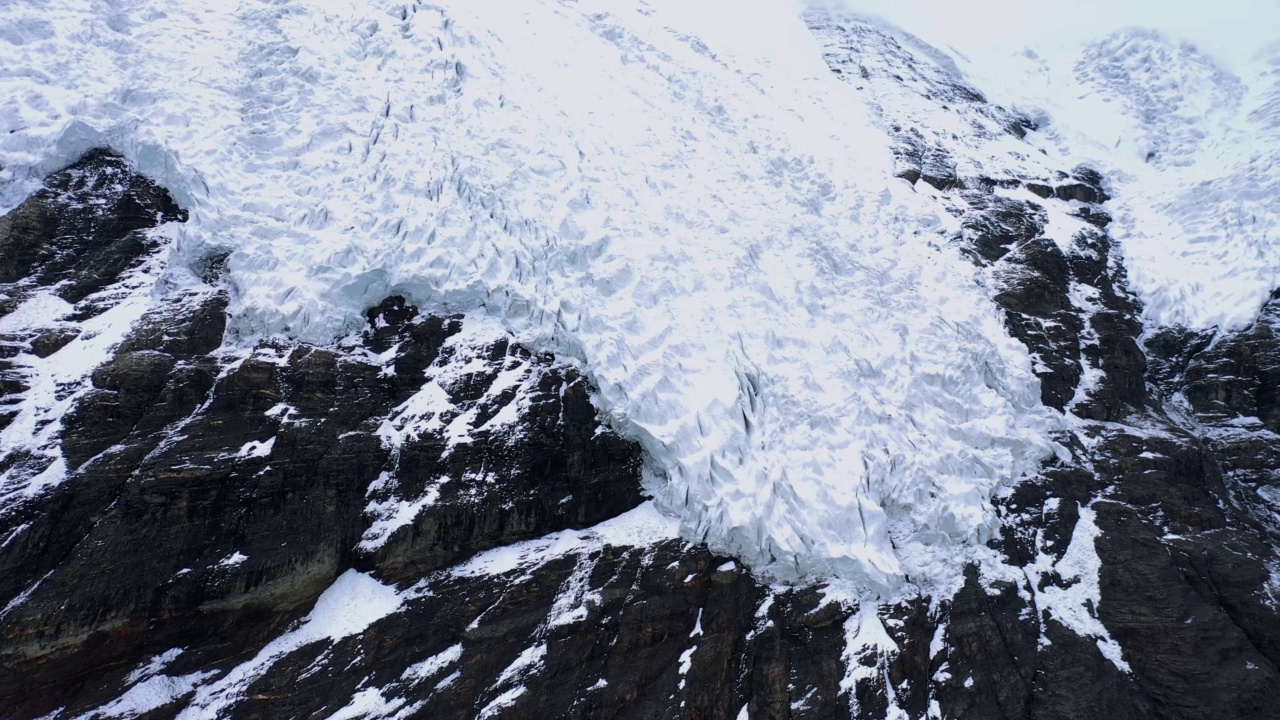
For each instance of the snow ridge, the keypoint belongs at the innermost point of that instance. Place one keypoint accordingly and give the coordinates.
(1206, 190)
(1189, 149)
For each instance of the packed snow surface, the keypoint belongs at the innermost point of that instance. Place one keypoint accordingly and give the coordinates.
(679, 196)
(1193, 153)
(1176, 103)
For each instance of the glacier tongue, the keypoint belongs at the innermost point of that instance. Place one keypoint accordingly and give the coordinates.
(685, 200)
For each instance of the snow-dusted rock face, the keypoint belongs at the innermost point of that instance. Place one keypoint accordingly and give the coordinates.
(713, 232)
(240, 483)
(517, 409)
(1189, 150)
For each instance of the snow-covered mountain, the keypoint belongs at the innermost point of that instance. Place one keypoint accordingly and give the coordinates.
(630, 359)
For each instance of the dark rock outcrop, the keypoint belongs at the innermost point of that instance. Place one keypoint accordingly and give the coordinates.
(1183, 506)
(213, 497)
(82, 232)
(216, 498)
(83, 229)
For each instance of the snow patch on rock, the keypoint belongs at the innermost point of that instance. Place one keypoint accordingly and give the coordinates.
(352, 603)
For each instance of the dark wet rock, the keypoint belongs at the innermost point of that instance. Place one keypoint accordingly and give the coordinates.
(1165, 494)
(1149, 598)
(1088, 188)
(1052, 296)
(622, 660)
(1040, 189)
(939, 170)
(1094, 217)
(1124, 366)
(1169, 351)
(123, 391)
(1079, 192)
(1091, 260)
(84, 228)
(1020, 125)
(908, 155)
(1227, 383)
(1239, 375)
(12, 384)
(214, 494)
(1039, 279)
(51, 341)
(1070, 308)
(1169, 543)
(1003, 225)
(216, 501)
(990, 657)
(79, 234)
(558, 469)
(187, 326)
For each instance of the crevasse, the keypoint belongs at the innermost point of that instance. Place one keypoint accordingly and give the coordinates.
(684, 200)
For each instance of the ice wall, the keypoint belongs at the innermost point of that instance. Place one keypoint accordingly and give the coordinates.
(684, 200)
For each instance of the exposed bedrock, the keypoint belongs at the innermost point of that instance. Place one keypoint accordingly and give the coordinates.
(214, 496)
(83, 229)
(217, 497)
(78, 235)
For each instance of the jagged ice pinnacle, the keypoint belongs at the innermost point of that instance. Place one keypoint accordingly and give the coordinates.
(684, 200)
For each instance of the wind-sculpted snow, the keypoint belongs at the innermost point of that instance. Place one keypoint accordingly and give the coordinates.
(1206, 185)
(686, 201)
(1189, 149)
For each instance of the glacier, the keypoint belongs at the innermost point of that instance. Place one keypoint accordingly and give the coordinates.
(1177, 104)
(681, 199)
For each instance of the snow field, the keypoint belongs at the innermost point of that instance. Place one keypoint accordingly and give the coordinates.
(1187, 142)
(693, 208)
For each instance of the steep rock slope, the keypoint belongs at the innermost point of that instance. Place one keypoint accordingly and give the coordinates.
(426, 519)
(239, 485)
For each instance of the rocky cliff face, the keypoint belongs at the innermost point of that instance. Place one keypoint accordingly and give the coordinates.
(426, 519)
